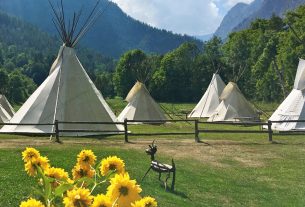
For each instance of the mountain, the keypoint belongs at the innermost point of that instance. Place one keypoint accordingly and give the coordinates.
(113, 33)
(241, 15)
(20, 49)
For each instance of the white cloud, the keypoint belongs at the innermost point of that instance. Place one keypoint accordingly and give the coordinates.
(193, 17)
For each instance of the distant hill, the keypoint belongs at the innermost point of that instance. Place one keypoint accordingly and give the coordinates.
(24, 45)
(241, 15)
(113, 34)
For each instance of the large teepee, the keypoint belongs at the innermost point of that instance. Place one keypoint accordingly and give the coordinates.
(234, 106)
(141, 106)
(293, 107)
(67, 95)
(210, 100)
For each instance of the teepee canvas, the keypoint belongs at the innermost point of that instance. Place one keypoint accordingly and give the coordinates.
(210, 100)
(141, 105)
(67, 95)
(292, 108)
(6, 105)
(4, 116)
(234, 106)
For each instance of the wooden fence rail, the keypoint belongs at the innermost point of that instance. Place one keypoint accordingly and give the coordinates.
(126, 133)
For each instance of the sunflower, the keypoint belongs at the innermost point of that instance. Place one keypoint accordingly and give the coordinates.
(86, 158)
(29, 154)
(58, 174)
(31, 203)
(101, 201)
(78, 197)
(31, 166)
(123, 190)
(79, 171)
(112, 163)
(145, 202)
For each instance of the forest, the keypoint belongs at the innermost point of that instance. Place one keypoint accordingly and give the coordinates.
(262, 60)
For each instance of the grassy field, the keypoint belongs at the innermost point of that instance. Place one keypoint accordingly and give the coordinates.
(222, 170)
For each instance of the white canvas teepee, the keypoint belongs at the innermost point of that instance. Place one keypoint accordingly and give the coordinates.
(141, 105)
(68, 94)
(6, 105)
(210, 100)
(234, 106)
(4, 116)
(292, 108)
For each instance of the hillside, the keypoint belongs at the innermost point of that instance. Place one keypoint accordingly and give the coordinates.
(25, 59)
(241, 15)
(113, 33)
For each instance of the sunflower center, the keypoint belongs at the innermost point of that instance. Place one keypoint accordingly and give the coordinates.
(123, 191)
(78, 201)
(148, 204)
(86, 159)
(112, 167)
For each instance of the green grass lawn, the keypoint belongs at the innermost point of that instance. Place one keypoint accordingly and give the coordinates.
(223, 170)
(230, 172)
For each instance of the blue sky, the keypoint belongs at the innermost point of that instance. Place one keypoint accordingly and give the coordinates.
(192, 17)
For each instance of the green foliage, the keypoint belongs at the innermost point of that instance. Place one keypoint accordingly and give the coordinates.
(262, 60)
(114, 32)
(175, 69)
(127, 70)
(25, 59)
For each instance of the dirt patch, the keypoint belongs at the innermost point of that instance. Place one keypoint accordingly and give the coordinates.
(211, 152)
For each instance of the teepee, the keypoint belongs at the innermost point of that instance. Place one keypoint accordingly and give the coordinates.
(67, 94)
(234, 106)
(292, 108)
(210, 100)
(141, 106)
(6, 105)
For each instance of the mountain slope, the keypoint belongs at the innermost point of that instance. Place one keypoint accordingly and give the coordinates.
(113, 33)
(235, 15)
(241, 15)
(267, 9)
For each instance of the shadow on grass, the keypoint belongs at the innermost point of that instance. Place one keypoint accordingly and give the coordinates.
(177, 193)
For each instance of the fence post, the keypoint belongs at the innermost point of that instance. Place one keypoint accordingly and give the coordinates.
(196, 131)
(270, 130)
(57, 132)
(126, 130)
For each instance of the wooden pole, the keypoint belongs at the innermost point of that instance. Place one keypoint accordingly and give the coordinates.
(270, 130)
(196, 131)
(57, 131)
(126, 130)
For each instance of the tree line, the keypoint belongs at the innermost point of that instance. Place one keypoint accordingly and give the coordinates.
(262, 60)
(26, 55)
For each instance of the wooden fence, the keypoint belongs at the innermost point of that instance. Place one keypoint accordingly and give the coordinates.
(197, 130)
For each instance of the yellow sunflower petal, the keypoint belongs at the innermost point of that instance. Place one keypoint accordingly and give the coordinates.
(86, 157)
(112, 163)
(145, 202)
(101, 200)
(29, 154)
(78, 197)
(124, 190)
(31, 203)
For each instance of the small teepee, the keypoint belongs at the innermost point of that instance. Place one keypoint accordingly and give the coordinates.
(293, 107)
(234, 106)
(210, 100)
(141, 106)
(68, 94)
